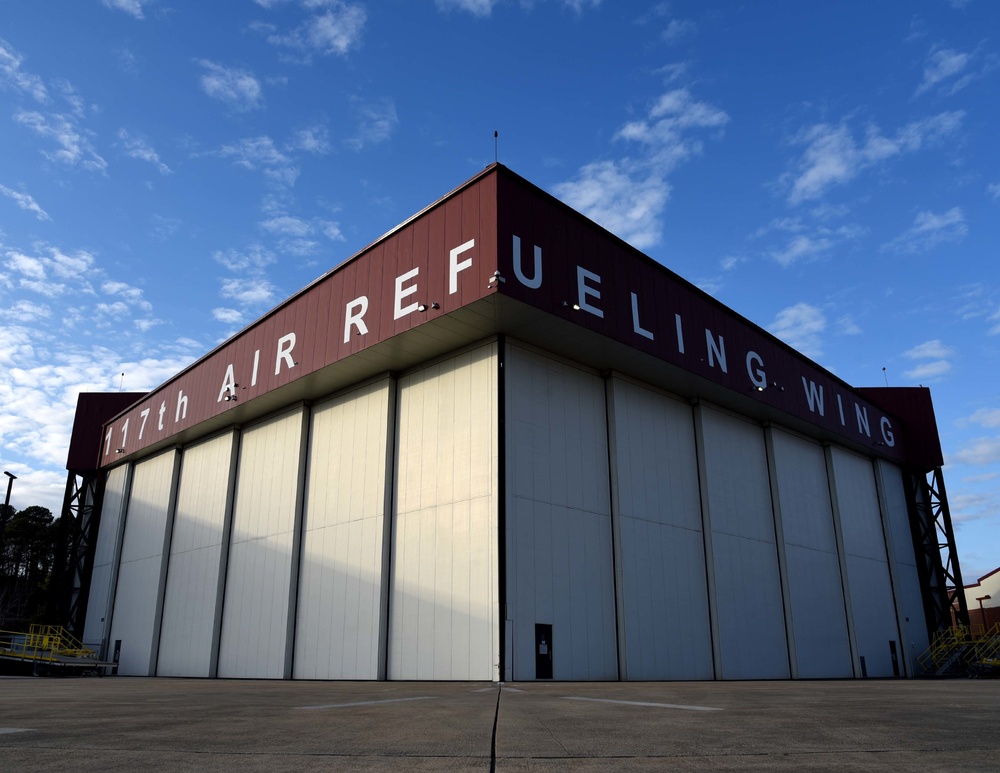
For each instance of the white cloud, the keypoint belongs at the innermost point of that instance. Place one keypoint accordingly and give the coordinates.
(929, 350)
(949, 71)
(376, 122)
(986, 417)
(978, 452)
(254, 259)
(993, 189)
(628, 196)
(335, 28)
(235, 87)
(848, 326)
(26, 311)
(678, 30)
(253, 292)
(730, 262)
(806, 242)
(928, 231)
(228, 316)
(331, 230)
(12, 75)
(800, 327)
(942, 64)
(834, 157)
(133, 295)
(138, 148)
(475, 7)
(313, 139)
(286, 225)
(25, 202)
(261, 153)
(133, 8)
(929, 371)
(665, 131)
(626, 201)
(74, 147)
(939, 365)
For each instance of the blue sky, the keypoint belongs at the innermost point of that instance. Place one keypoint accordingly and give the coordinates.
(170, 170)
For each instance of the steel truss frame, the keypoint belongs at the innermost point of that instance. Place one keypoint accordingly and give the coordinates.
(935, 551)
(82, 511)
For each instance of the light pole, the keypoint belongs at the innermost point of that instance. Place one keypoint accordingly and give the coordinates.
(6, 508)
(982, 612)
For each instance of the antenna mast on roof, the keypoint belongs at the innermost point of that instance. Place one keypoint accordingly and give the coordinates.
(121, 382)
(496, 146)
(885, 376)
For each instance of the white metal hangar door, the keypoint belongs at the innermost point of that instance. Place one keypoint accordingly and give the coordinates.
(659, 549)
(340, 623)
(872, 604)
(443, 607)
(813, 578)
(261, 576)
(142, 571)
(905, 580)
(560, 583)
(745, 587)
(192, 603)
(102, 578)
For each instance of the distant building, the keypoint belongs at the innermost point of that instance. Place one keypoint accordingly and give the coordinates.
(983, 600)
(500, 443)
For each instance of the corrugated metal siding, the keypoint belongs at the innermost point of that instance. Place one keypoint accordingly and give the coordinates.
(95, 629)
(143, 568)
(737, 498)
(255, 642)
(559, 557)
(339, 606)
(443, 607)
(818, 613)
(661, 552)
(907, 582)
(192, 599)
(867, 568)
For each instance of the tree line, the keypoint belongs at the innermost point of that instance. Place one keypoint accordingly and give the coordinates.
(34, 567)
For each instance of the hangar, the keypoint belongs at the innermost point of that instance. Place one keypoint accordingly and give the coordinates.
(499, 443)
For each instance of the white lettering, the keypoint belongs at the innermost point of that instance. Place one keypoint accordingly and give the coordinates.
(813, 396)
(840, 407)
(635, 319)
(142, 427)
(715, 351)
(285, 345)
(536, 281)
(757, 375)
(107, 442)
(887, 435)
(584, 291)
(455, 266)
(256, 363)
(680, 333)
(124, 432)
(228, 383)
(862, 414)
(163, 410)
(182, 407)
(355, 312)
(403, 293)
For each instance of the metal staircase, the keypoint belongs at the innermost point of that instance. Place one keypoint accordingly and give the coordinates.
(963, 650)
(49, 646)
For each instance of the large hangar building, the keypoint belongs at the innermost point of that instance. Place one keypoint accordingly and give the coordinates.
(501, 444)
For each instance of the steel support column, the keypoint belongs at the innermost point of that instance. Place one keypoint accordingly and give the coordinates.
(82, 511)
(935, 550)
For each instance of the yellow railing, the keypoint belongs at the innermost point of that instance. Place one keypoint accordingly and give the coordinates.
(48, 643)
(946, 644)
(987, 648)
